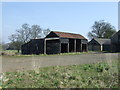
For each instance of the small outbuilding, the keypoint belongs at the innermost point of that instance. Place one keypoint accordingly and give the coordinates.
(99, 44)
(55, 43)
(115, 42)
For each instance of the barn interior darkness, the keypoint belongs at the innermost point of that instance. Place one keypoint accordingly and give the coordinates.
(56, 46)
(64, 47)
(71, 45)
(84, 49)
(78, 45)
(52, 46)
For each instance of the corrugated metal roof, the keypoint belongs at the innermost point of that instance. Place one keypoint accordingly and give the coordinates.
(103, 41)
(69, 35)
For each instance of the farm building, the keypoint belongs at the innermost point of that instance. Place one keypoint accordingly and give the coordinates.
(34, 46)
(55, 43)
(115, 42)
(99, 45)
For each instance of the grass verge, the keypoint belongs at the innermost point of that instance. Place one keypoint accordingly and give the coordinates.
(99, 75)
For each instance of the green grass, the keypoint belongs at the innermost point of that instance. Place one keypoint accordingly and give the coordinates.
(99, 75)
(15, 53)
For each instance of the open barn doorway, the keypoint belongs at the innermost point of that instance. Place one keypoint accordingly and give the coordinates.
(84, 47)
(64, 48)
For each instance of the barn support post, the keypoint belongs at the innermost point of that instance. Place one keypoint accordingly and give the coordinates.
(81, 47)
(60, 47)
(45, 46)
(68, 48)
(86, 47)
(101, 47)
(74, 45)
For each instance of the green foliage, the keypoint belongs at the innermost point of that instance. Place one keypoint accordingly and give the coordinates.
(101, 29)
(99, 75)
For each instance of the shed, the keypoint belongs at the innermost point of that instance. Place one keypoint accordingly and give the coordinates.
(99, 44)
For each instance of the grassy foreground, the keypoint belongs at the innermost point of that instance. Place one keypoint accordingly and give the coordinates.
(99, 75)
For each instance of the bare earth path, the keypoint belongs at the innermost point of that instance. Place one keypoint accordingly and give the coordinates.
(13, 63)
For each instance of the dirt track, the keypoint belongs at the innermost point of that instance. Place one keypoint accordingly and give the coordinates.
(13, 63)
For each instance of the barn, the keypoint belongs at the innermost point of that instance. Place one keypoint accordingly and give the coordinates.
(34, 46)
(99, 44)
(55, 43)
(115, 42)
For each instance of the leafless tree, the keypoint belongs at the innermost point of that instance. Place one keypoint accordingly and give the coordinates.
(35, 32)
(46, 32)
(25, 33)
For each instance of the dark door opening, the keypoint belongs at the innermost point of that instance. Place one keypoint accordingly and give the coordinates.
(84, 47)
(78, 45)
(52, 47)
(71, 45)
(64, 48)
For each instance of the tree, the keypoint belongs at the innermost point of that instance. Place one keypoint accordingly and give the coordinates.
(25, 33)
(101, 29)
(35, 32)
(21, 36)
(16, 41)
(46, 32)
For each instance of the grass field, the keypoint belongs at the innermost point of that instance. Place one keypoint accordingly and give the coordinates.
(15, 53)
(99, 75)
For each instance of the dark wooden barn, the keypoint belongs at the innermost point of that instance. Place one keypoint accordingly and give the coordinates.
(55, 43)
(99, 45)
(61, 42)
(34, 46)
(115, 42)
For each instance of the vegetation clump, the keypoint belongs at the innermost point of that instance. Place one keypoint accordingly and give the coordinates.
(99, 75)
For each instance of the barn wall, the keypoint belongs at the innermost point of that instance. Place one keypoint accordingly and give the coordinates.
(107, 48)
(84, 45)
(115, 42)
(51, 34)
(35, 46)
(25, 48)
(94, 47)
(84, 41)
(64, 40)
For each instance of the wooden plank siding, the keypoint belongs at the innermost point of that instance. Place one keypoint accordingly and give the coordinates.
(115, 42)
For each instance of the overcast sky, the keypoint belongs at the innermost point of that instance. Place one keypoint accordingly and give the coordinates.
(70, 17)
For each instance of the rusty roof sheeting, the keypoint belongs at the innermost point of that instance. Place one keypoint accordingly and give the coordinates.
(69, 35)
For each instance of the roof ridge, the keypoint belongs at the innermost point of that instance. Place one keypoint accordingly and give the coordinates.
(69, 35)
(66, 32)
(101, 38)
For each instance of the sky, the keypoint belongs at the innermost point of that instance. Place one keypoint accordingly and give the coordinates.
(73, 17)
